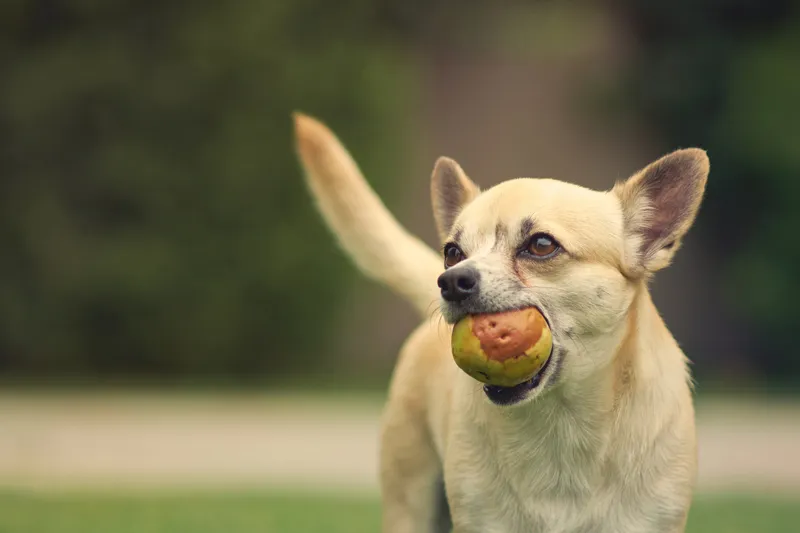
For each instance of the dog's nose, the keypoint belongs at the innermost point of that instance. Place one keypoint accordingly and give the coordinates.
(459, 283)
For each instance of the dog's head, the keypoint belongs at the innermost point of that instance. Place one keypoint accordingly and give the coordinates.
(576, 254)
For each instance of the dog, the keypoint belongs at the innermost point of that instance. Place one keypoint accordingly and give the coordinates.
(602, 439)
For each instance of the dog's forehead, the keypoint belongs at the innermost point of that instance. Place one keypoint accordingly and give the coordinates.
(580, 218)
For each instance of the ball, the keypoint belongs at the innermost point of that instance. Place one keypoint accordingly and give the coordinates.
(503, 349)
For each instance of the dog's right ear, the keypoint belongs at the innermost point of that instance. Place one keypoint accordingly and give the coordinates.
(451, 190)
(659, 204)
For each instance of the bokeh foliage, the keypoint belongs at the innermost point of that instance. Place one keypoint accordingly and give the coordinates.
(725, 76)
(152, 215)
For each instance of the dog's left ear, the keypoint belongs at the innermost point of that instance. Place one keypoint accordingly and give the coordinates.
(659, 204)
(451, 191)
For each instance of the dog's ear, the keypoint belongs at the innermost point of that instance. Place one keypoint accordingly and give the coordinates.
(451, 190)
(659, 204)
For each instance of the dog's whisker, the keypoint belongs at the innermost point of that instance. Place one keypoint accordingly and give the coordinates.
(434, 306)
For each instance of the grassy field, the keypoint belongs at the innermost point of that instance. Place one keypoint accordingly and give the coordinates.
(268, 513)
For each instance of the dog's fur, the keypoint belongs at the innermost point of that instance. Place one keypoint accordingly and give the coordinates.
(606, 441)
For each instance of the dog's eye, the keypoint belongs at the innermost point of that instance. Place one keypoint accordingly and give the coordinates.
(452, 255)
(542, 246)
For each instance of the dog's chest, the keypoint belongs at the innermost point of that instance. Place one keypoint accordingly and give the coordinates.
(540, 497)
(510, 486)
(551, 477)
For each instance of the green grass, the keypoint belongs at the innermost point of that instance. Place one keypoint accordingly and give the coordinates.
(267, 513)
(185, 513)
(744, 515)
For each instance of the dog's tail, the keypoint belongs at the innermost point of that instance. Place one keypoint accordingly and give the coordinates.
(380, 247)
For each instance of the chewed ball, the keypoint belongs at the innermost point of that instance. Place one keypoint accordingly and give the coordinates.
(503, 349)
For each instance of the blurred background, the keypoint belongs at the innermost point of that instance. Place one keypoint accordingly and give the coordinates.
(166, 285)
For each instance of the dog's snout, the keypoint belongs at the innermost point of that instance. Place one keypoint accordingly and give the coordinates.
(459, 283)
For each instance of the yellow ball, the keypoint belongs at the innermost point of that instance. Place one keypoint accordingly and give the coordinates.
(503, 349)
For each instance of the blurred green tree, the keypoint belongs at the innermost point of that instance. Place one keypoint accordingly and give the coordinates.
(724, 75)
(152, 219)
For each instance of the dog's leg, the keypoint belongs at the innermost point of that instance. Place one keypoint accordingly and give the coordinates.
(681, 528)
(411, 477)
(411, 469)
(444, 521)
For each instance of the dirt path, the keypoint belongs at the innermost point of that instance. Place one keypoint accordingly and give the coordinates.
(68, 441)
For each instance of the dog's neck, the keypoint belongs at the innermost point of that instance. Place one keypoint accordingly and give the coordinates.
(647, 368)
(645, 359)
(580, 437)
(648, 360)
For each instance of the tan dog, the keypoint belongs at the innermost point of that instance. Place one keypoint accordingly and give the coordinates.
(603, 438)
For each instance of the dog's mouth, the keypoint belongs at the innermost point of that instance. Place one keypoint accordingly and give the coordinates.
(505, 395)
(511, 395)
